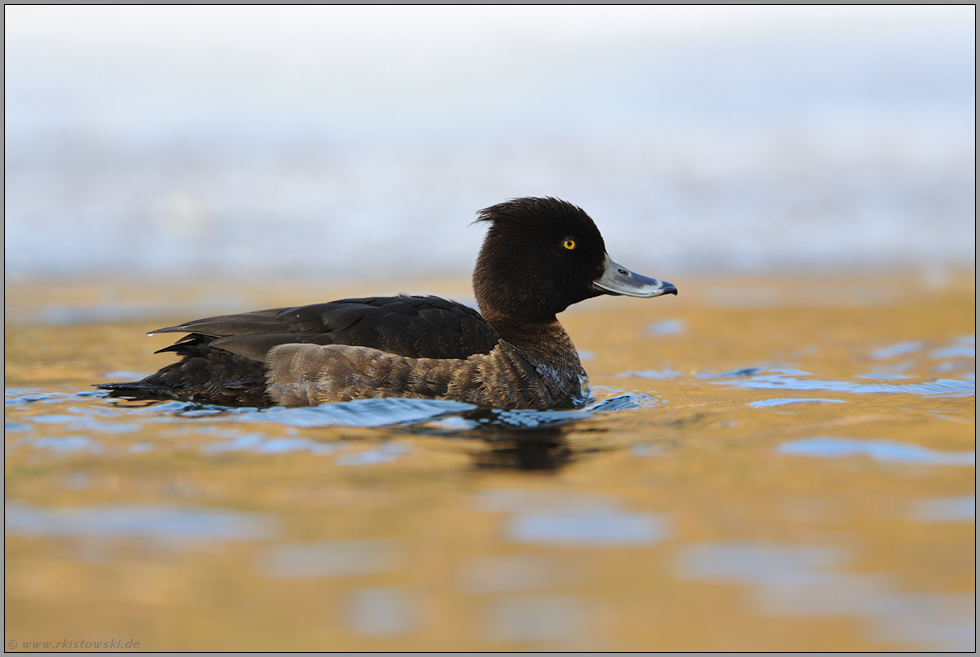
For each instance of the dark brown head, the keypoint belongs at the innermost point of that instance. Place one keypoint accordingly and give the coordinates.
(541, 255)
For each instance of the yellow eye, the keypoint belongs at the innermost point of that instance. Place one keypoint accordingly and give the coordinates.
(569, 244)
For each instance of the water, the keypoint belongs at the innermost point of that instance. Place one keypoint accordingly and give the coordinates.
(775, 471)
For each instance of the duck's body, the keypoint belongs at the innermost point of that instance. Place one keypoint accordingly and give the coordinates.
(540, 256)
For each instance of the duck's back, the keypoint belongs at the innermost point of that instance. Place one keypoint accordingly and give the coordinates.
(225, 360)
(411, 326)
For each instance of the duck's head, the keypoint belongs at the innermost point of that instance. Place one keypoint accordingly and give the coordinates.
(541, 255)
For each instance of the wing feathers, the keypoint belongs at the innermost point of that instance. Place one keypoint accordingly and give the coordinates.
(415, 327)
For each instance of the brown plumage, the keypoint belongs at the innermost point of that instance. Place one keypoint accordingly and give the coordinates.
(539, 256)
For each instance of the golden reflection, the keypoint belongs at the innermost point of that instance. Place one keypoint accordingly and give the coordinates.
(786, 470)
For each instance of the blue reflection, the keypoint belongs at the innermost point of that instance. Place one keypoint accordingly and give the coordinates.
(139, 521)
(552, 618)
(768, 403)
(67, 444)
(786, 381)
(560, 518)
(386, 453)
(802, 581)
(591, 527)
(513, 572)
(626, 401)
(356, 413)
(900, 349)
(329, 559)
(125, 375)
(15, 396)
(963, 347)
(666, 327)
(259, 444)
(649, 374)
(518, 500)
(382, 611)
(949, 509)
(758, 563)
(883, 375)
(880, 450)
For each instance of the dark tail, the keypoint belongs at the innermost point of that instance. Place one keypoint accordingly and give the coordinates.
(204, 375)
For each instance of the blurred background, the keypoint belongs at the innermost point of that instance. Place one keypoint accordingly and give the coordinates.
(784, 455)
(341, 143)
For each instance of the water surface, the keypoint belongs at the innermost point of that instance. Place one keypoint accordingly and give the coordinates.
(797, 474)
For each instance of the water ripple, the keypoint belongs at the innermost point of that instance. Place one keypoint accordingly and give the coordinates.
(394, 411)
(13, 397)
(900, 349)
(788, 580)
(879, 450)
(782, 381)
(138, 521)
(768, 403)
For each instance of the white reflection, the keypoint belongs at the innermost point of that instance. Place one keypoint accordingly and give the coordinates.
(587, 528)
(666, 327)
(382, 611)
(512, 572)
(329, 559)
(550, 618)
(949, 509)
(387, 453)
(145, 521)
(888, 451)
(559, 518)
(802, 581)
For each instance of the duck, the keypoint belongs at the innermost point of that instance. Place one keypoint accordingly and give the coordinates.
(539, 256)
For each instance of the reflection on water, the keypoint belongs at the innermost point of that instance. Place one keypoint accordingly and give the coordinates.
(381, 611)
(385, 454)
(544, 448)
(329, 559)
(558, 619)
(356, 413)
(666, 327)
(547, 519)
(950, 509)
(790, 380)
(769, 403)
(900, 349)
(513, 572)
(964, 347)
(708, 501)
(68, 444)
(587, 527)
(880, 450)
(807, 581)
(259, 444)
(138, 521)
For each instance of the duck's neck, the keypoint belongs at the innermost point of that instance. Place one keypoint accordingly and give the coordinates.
(546, 342)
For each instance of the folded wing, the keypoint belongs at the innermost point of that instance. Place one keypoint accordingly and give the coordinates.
(411, 326)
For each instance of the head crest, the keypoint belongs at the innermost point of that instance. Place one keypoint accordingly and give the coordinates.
(518, 209)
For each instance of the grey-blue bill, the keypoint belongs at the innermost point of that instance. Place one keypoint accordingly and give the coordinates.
(618, 280)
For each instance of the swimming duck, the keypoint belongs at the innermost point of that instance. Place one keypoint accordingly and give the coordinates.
(540, 255)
